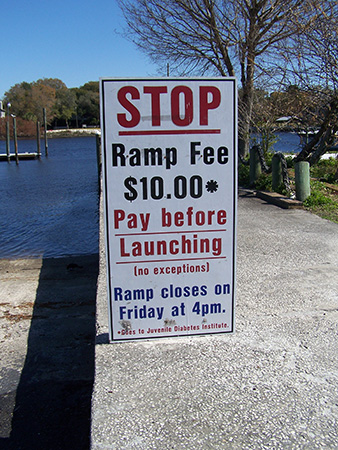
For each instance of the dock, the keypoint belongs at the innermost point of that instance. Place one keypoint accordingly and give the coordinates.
(21, 156)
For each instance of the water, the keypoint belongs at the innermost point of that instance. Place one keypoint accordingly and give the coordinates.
(286, 142)
(49, 207)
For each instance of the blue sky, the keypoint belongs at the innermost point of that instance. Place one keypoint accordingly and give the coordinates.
(75, 41)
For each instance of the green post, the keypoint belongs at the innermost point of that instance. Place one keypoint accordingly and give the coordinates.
(277, 176)
(302, 179)
(255, 165)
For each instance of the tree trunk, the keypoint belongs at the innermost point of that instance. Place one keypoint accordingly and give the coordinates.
(246, 105)
(323, 146)
(322, 134)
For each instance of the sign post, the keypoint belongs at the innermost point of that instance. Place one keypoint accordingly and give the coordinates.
(170, 194)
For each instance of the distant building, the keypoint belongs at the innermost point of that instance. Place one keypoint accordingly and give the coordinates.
(2, 111)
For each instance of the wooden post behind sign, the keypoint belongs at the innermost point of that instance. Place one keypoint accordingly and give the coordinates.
(302, 180)
(277, 175)
(255, 165)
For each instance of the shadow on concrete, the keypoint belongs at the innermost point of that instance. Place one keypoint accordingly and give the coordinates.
(53, 399)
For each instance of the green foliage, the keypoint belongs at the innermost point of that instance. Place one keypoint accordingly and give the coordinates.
(266, 140)
(322, 202)
(317, 198)
(243, 175)
(268, 158)
(91, 86)
(282, 190)
(325, 170)
(269, 139)
(77, 105)
(65, 104)
(88, 103)
(29, 99)
(264, 182)
(290, 162)
(53, 83)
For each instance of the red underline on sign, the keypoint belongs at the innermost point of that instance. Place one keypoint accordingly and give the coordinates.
(166, 132)
(169, 232)
(169, 260)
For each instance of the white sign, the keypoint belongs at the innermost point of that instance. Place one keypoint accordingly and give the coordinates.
(170, 190)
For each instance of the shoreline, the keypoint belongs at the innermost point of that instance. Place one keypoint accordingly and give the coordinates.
(70, 132)
(74, 132)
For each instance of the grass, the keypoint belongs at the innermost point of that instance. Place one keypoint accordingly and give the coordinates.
(323, 200)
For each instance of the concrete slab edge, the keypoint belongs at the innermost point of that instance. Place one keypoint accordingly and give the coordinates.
(273, 198)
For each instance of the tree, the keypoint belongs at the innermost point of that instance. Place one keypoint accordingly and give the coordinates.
(54, 83)
(88, 103)
(224, 37)
(289, 108)
(19, 96)
(65, 104)
(29, 99)
(316, 67)
(43, 96)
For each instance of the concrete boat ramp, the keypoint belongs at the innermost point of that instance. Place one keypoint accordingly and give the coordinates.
(273, 384)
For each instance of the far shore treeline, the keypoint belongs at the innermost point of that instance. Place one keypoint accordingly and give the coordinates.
(292, 108)
(65, 107)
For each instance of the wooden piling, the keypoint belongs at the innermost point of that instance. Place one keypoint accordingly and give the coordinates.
(15, 141)
(8, 145)
(45, 130)
(277, 175)
(38, 138)
(255, 165)
(98, 154)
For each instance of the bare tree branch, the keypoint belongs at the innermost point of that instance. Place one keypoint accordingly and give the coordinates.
(247, 38)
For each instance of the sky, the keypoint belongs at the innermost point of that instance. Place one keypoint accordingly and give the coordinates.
(75, 41)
